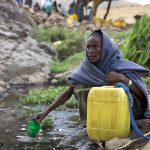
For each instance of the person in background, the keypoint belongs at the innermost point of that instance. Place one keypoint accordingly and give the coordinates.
(90, 13)
(80, 11)
(20, 3)
(102, 66)
(55, 6)
(29, 3)
(62, 10)
(47, 7)
(36, 7)
(71, 8)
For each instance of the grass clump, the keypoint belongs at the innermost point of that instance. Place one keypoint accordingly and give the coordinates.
(47, 123)
(41, 96)
(46, 96)
(68, 64)
(50, 34)
(71, 103)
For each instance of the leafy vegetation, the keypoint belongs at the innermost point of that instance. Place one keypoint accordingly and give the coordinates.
(73, 43)
(50, 34)
(137, 46)
(46, 96)
(71, 103)
(41, 96)
(70, 40)
(68, 64)
(47, 123)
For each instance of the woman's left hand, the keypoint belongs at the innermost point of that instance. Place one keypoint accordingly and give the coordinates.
(113, 77)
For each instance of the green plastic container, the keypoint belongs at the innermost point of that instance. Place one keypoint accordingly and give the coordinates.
(33, 128)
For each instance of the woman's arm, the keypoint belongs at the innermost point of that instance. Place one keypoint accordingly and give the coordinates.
(59, 101)
(114, 77)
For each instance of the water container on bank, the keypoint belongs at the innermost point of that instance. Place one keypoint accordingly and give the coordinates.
(107, 113)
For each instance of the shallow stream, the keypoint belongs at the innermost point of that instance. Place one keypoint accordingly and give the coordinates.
(65, 125)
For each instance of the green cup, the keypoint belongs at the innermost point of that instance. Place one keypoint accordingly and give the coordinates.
(33, 128)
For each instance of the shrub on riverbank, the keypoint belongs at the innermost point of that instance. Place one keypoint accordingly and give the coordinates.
(70, 41)
(137, 46)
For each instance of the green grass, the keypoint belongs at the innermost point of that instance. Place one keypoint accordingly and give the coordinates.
(41, 96)
(68, 64)
(46, 96)
(71, 103)
(50, 34)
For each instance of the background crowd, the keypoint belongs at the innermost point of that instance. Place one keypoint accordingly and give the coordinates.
(76, 7)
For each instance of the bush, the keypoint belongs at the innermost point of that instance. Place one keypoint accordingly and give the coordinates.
(50, 34)
(70, 41)
(137, 46)
(71, 103)
(47, 122)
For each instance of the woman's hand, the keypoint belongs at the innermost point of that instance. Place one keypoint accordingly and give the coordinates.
(62, 98)
(40, 116)
(113, 77)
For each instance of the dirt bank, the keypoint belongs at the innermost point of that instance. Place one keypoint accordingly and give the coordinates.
(123, 9)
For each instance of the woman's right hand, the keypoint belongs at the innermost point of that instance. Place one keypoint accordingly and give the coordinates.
(40, 116)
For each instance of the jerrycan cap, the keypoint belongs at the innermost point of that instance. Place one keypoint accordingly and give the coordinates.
(33, 128)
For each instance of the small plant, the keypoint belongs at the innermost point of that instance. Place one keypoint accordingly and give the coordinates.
(47, 122)
(36, 147)
(71, 103)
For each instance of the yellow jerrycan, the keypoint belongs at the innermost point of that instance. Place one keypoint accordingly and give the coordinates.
(108, 113)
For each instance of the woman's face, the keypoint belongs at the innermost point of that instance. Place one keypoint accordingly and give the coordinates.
(93, 49)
